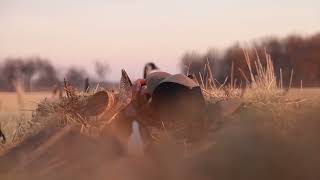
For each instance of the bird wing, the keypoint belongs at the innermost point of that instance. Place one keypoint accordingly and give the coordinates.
(125, 89)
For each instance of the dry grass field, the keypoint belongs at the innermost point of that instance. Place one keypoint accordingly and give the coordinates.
(263, 140)
(14, 107)
(272, 134)
(9, 100)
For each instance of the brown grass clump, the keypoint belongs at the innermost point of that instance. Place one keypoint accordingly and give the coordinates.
(90, 112)
(260, 92)
(49, 112)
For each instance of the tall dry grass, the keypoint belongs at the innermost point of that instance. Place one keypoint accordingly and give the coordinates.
(261, 85)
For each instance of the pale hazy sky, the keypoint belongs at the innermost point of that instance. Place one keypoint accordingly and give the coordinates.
(128, 33)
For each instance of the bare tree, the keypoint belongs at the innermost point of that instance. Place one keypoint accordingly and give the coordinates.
(26, 70)
(101, 69)
(195, 63)
(47, 75)
(76, 77)
(297, 53)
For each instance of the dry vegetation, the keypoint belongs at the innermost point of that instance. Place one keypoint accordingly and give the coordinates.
(272, 135)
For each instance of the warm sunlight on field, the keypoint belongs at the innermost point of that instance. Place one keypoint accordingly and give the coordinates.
(9, 100)
(159, 90)
(260, 125)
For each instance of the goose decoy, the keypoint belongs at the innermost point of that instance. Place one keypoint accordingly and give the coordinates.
(173, 99)
(178, 101)
(149, 68)
(164, 87)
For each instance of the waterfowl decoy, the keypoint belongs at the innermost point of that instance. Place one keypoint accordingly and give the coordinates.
(178, 101)
(174, 99)
(149, 68)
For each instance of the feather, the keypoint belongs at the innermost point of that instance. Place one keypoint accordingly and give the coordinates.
(125, 89)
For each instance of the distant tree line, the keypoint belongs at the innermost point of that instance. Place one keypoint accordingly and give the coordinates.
(297, 53)
(36, 73)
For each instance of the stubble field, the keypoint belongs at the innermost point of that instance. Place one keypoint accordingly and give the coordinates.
(262, 140)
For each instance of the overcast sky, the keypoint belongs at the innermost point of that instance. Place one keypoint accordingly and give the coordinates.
(128, 33)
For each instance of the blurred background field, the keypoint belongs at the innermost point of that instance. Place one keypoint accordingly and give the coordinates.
(9, 100)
